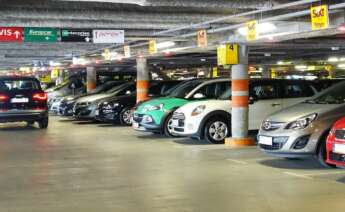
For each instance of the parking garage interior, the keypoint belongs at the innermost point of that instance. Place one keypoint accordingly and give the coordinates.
(157, 105)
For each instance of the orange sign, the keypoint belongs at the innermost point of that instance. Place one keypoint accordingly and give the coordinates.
(202, 38)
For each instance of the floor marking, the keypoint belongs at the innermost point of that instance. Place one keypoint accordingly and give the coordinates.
(298, 175)
(237, 161)
(325, 173)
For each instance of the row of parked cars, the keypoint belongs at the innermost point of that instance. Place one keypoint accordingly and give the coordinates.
(294, 117)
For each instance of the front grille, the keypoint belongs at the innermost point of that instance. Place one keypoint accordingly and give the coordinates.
(340, 134)
(336, 157)
(271, 126)
(275, 146)
(179, 116)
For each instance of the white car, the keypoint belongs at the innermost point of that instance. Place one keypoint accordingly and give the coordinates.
(211, 119)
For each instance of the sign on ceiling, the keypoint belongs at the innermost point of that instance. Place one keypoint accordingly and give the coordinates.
(40, 34)
(11, 34)
(109, 36)
(319, 17)
(202, 38)
(76, 35)
(252, 33)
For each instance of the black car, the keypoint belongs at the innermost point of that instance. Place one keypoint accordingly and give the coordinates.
(67, 103)
(119, 109)
(22, 99)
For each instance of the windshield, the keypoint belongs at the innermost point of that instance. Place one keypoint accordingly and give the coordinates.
(335, 95)
(116, 88)
(181, 90)
(19, 84)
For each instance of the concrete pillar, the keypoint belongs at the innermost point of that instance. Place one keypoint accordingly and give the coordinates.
(266, 72)
(91, 78)
(240, 103)
(142, 79)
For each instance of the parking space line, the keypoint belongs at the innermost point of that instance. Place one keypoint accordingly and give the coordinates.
(325, 173)
(298, 175)
(237, 161)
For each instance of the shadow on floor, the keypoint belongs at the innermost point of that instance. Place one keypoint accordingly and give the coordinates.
(18, 127)
(307, 164)
(189, 141)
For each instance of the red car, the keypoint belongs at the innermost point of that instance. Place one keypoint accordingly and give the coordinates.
(336, 144)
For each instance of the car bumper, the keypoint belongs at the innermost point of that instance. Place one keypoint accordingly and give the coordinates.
(84, 114)
(187, 127)
(333, 156)
(291, 143)
(21, 115)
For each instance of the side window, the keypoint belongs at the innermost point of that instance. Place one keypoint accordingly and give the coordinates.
(222, 88)
(155, 90)
(209, 91)
(297, 90)
(264, 91)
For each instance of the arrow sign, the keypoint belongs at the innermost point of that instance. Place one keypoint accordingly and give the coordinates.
(76, 35)
(11, 34)
(36, 34)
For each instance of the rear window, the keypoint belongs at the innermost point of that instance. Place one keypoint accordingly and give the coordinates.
(19, 84)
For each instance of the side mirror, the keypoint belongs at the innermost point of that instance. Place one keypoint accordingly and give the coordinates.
(252, 100)
(198, 96)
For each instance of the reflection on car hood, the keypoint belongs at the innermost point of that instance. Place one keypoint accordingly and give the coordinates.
(301, 110)
(93, 97)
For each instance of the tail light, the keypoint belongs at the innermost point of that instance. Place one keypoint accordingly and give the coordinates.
(40, 97)
(3, 97)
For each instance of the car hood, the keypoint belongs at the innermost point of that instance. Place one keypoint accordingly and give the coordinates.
(302, 109)
(169, 103)
(210, 105)
(93, 97)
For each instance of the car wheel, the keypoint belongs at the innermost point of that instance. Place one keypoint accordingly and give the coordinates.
(168, 126)
(43, 123)
(216, 130)
(322, 155)
(126, 116)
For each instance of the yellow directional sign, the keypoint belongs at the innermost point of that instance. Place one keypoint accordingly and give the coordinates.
(227, 54)
(55, 73)
(127, 50)
(152, 46)
(202, 38)
(252, 33)
(319, 17)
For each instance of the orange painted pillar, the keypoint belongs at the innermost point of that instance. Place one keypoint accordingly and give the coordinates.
(142, 79)
(91, 77)
(240, 101)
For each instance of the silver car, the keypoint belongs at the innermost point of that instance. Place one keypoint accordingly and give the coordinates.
(301, 130)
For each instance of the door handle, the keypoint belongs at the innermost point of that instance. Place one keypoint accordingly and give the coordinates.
(276, 104)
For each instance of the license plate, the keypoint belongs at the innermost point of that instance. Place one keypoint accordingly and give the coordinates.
(97, 112)
(174, 123)
(135, 124)
(265, 140)
(19, 100)
(339, 148)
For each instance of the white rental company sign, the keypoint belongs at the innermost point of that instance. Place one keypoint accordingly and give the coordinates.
(108, 36)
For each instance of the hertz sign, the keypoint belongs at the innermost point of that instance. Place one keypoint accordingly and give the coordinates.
(319, 17)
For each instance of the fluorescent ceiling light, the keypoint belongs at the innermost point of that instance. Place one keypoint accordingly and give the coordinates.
(333, 59)
(342, 65)
(261, 28)
(301, 67)
(166, 44)
(280, 63)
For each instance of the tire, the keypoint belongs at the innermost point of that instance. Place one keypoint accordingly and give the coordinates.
(216, 130)
(167, 126)
(43, 123)
(322, 155)
(126, 116)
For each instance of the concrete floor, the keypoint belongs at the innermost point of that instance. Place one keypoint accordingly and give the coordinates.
(97, 168)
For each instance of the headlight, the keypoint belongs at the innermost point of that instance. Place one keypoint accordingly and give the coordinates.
(152, 108)
(302, 123)
(198, 110)
(69, 98)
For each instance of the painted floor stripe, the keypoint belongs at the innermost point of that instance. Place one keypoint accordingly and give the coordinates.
(237, 161)
(298, 175)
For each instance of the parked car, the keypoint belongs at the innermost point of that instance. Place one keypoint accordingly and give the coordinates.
(85, 107)
(211, 119)
(118, 109)
(301, 130)
(22, 99)
(335, 145)
(156, 115)
(65, 107)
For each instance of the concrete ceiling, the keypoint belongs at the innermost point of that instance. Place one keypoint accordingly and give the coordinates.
(139, 18)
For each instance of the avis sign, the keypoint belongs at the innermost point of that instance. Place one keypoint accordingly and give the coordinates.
(109, 36)
(319, 17)
(11, 34)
